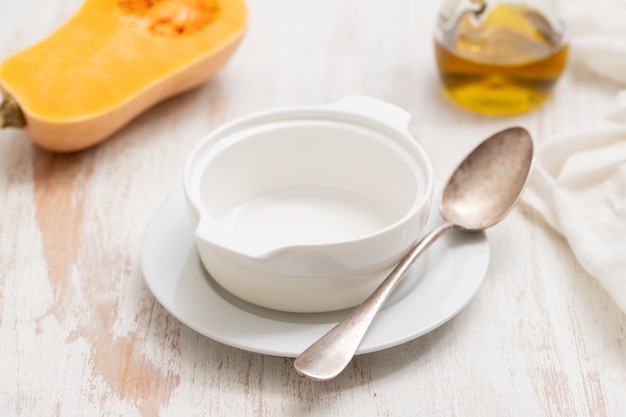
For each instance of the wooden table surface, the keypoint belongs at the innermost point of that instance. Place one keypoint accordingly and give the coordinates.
(82, 335)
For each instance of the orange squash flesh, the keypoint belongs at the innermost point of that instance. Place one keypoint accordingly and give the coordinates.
(113, 60)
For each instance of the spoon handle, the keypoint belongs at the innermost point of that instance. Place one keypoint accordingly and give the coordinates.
(330, 354)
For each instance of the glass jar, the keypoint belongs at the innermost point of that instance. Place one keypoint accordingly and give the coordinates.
(500, 57)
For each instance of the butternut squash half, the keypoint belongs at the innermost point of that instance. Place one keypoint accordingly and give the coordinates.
(111, 61)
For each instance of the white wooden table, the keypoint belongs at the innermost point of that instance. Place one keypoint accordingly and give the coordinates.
(82, 335)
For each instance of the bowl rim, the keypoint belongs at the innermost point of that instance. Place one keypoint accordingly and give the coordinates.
(234, 244)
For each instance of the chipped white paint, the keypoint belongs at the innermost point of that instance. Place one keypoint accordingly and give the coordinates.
(80, 334)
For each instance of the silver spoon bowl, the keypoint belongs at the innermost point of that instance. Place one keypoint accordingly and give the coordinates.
(481, 191)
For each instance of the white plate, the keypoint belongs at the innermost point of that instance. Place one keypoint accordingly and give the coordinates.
(438, 286)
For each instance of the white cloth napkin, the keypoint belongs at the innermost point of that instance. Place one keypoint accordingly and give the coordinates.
(579, 181)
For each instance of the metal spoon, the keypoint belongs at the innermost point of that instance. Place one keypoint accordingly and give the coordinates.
(481, 191)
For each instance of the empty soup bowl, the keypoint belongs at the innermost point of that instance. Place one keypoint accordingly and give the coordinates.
(307, 209)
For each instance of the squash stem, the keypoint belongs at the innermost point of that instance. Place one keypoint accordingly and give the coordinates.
(10, 113)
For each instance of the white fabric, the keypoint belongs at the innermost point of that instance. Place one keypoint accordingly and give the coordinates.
(579, 181)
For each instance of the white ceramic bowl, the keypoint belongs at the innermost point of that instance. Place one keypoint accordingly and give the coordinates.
(308, 209)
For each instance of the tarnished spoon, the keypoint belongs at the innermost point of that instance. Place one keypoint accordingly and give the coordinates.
(481, 191)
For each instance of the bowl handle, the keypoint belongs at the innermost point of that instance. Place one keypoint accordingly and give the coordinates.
(214, 236)
(376, 109)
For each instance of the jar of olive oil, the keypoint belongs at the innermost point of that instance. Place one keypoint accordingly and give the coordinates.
(500, 57)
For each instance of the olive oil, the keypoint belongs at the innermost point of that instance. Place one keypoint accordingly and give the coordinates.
(503, 60)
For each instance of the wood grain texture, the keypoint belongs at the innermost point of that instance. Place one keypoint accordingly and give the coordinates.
(81, 334)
